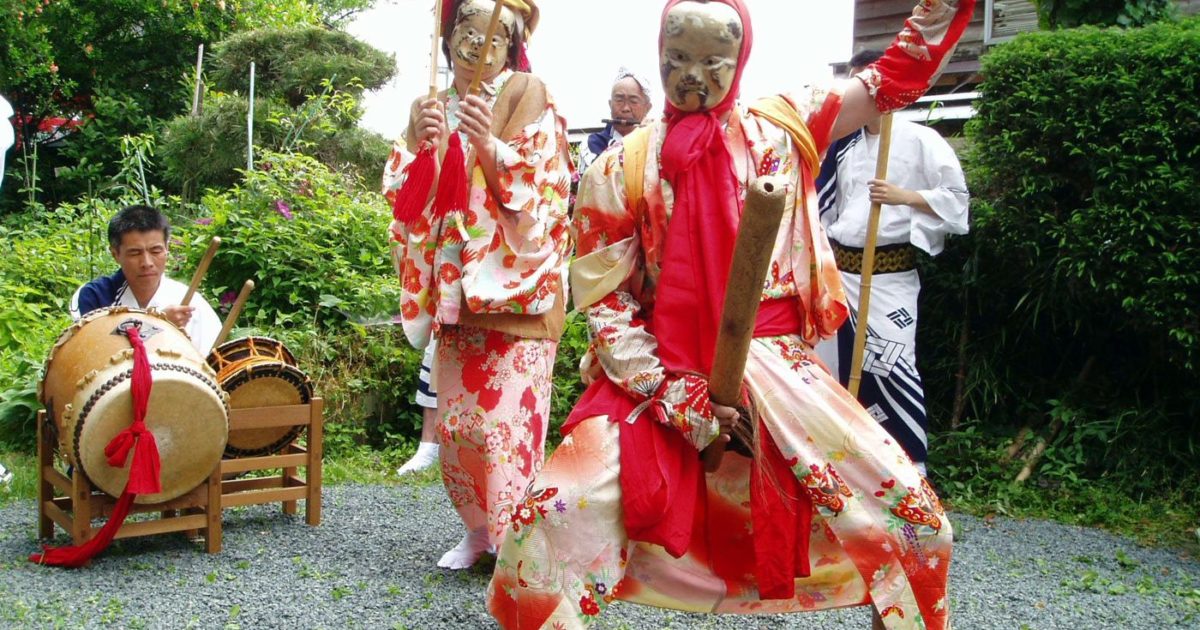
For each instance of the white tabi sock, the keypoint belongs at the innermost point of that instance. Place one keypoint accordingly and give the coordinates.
(426, 456)
(467, 551)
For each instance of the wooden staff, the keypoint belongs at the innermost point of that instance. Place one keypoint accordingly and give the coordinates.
(751, 258)
(202, 269)
(234, 312)
(434, 48)
(868, 262)
(493, 24)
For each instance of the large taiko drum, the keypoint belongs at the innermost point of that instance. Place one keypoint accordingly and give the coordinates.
(86, 391)
(259, 372)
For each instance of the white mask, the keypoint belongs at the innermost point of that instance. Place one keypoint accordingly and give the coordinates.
(699, 54)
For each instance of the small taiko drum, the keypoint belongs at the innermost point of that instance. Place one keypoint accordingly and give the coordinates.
(86, 391)
(259, 372)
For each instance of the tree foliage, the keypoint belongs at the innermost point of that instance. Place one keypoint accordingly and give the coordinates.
(116, 68)
(292, 63)
(1071, 13)
(308, 82)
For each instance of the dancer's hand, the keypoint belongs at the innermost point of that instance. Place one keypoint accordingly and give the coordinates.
(431, 122)
(476, 122)
(727, 418)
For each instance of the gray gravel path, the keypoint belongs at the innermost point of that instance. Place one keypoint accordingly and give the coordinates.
(371, 565)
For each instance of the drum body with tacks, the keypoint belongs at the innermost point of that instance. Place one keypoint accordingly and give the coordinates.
(259, 372)
(86, 392)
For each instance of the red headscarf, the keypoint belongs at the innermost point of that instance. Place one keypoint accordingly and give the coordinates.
(662, 483)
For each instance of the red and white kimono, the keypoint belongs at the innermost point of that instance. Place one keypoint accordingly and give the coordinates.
(831, 512)
(488, 283)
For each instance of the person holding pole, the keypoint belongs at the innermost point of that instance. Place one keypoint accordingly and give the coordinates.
(482, 240)
(139, 241)
(827, 511)
(924, 199)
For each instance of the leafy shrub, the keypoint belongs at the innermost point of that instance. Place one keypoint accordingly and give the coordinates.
(567, 386)
(1092, 176)
(317, 249)
(1068, 13)
(209, 151)
(308, 83)
(1073, 300)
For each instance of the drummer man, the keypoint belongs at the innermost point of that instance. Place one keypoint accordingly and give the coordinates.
(138, 240)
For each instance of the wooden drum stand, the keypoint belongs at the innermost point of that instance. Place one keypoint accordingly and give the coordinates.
(72, 502)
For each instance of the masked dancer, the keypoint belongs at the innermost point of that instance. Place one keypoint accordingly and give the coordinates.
(483, 274)
(830, 511)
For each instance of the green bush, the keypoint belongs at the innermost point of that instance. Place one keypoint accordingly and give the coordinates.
(308, 84)
(1068, 13)
(209, 151)
(1092, 176)
(1074, 299)
(316, 247)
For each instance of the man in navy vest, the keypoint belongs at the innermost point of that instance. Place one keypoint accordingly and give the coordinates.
(138, 239)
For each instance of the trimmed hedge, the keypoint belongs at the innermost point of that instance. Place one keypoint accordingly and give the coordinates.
(1080, 283)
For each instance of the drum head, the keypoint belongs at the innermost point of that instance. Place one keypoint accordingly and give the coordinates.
(265, 385)
(231, 354)
(186, 414)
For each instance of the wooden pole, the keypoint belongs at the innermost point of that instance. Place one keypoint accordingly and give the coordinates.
(434, 48)
(234, 312)
(199, 90)
(493, 24)
(743, 293)
(250, 125)
(868, 264)
(201, 269)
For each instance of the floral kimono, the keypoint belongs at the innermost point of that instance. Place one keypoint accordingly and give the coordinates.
(875, 532)
(488, 283)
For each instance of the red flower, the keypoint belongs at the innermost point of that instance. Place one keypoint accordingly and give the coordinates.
(449, 273)
(588, 605)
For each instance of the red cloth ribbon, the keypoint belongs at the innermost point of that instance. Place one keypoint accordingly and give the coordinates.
(781, 515)
(144, 467)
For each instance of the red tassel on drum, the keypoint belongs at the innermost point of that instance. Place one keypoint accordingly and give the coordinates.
(144, 466)
(411, 198)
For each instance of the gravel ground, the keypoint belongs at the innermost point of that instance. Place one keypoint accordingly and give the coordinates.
(371, 565)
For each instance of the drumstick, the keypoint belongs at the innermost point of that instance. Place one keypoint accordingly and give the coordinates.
(199, 275)
(234, 312)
